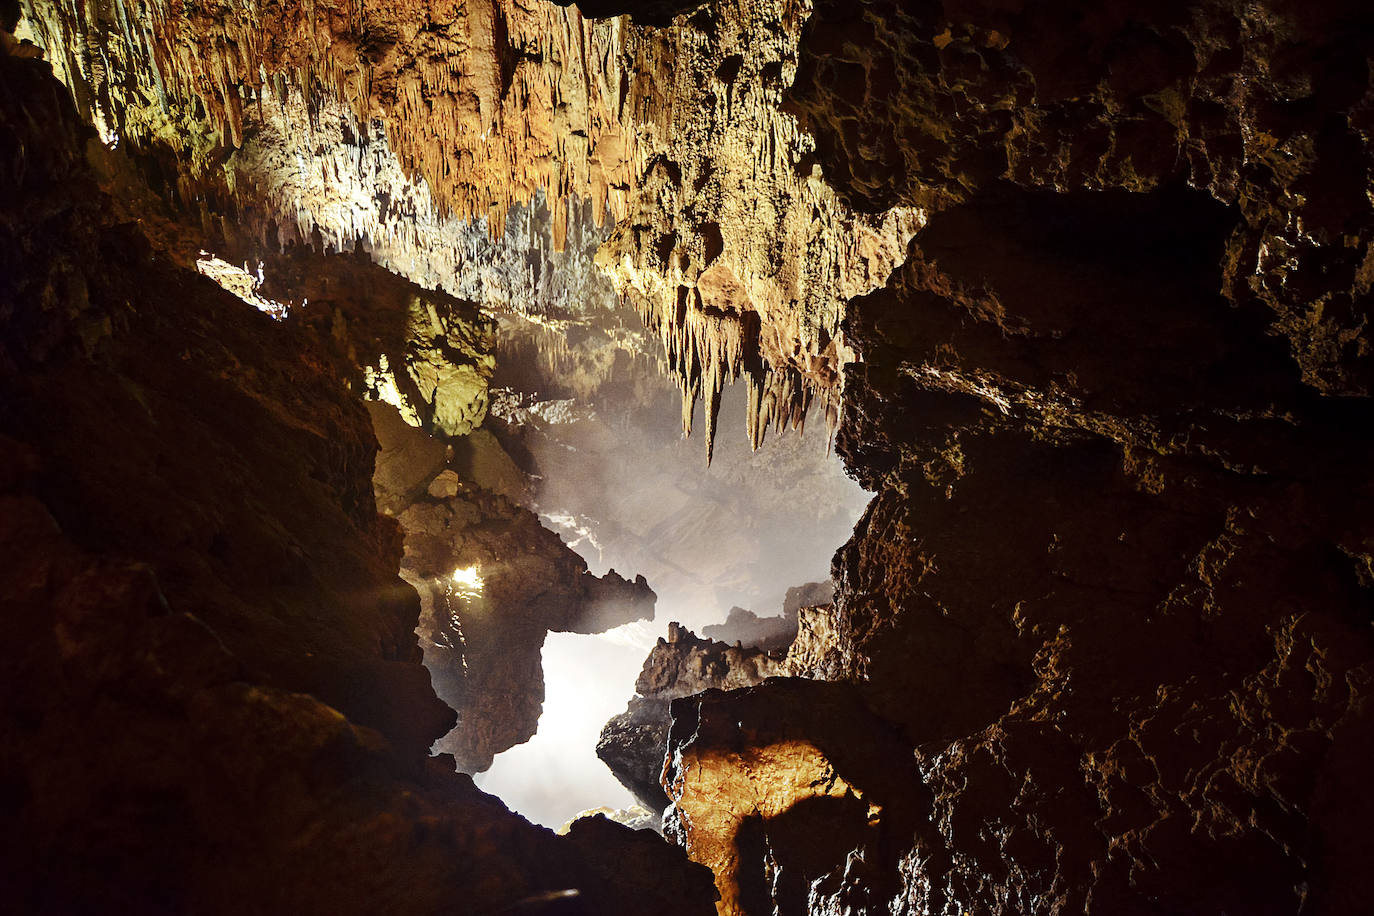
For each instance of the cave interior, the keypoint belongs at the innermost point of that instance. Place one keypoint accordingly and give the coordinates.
(804, 457)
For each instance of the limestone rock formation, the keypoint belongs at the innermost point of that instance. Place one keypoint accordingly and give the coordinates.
(1101, 643)
(493, 582)
(210, 695)
(795, 794)
(1113, 589)
(388, 128)
(458, 497)
(634, 744)
(1155, 496)
(429, 356)
(1265, 105)
(738, 255)
(424, 352)
(771, 634)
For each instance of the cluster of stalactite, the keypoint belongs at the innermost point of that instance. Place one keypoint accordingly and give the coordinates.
(487, 107)
(416, 133)
(706, 352)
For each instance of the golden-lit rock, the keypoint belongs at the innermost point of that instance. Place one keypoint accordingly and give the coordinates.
(634, 744)
(792, 793)
(386, 125)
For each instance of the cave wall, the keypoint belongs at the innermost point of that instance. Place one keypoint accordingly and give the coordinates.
(1110, 608)
(1114, 587)
(212, 699)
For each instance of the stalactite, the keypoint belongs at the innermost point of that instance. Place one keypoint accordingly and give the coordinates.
(583, 111)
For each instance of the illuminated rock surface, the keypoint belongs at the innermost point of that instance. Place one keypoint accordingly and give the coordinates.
(794, 794)
(378, 125)
(634, 744)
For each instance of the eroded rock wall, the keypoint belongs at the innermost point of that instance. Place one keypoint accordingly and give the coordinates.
(1266, 106)
(1181, 534)
(1113, 589)
(1112, 599)
(739, 256)
(212, 697)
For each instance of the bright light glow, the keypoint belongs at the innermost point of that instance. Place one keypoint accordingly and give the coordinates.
(556, 774)
(467, 581)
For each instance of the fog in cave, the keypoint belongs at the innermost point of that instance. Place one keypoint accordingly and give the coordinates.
(627, 491)
(556, 774)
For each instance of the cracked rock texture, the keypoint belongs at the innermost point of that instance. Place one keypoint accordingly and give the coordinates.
(1114, 587)
(634, 744)
(212, 699)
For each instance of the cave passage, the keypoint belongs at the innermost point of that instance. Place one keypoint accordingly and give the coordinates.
(1084, 291)
(555, 776)
(628, 492)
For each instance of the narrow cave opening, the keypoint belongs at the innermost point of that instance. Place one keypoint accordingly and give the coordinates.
(613, 475)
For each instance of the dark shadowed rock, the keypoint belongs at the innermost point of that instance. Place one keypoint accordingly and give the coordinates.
(211, 699)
